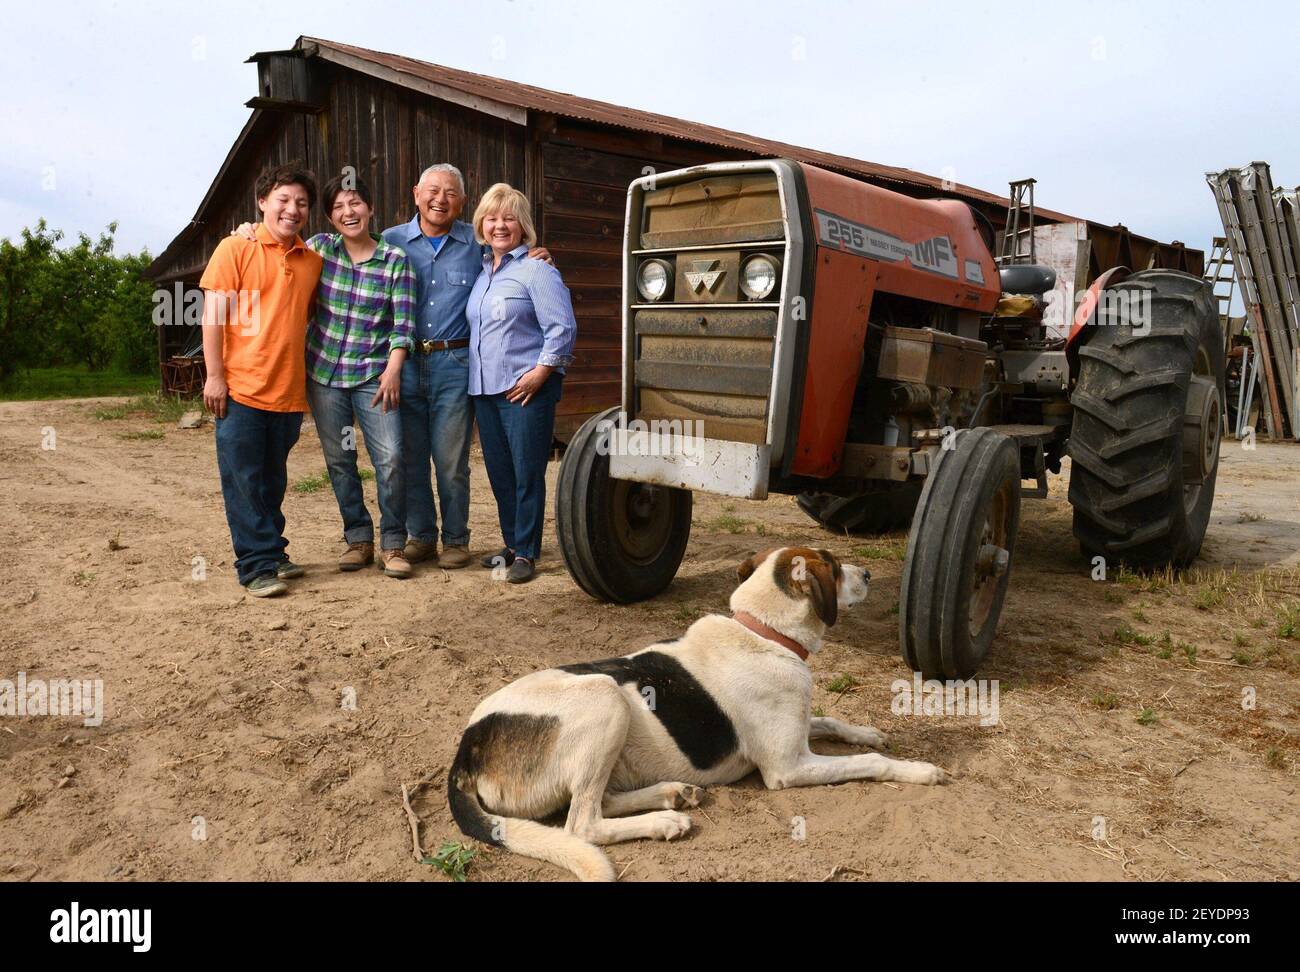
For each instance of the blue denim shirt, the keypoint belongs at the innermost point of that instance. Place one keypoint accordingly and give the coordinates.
(520, 316)
(442, 281)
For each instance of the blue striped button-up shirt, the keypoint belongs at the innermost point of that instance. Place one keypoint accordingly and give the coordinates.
(520, 316)
(442, 280)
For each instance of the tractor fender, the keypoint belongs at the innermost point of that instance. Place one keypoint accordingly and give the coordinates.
(1088, 305)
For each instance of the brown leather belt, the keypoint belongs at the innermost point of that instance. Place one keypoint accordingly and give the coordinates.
(428, 347)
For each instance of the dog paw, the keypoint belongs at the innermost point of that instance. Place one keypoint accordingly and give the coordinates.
(927, 774)
(867, 736)
(670, 824)
(680, 795)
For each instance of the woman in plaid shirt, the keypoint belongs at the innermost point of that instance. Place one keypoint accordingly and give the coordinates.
(360, 333)
(361, 330)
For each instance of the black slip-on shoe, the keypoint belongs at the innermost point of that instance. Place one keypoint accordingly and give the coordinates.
(502, 558)
(521, 571)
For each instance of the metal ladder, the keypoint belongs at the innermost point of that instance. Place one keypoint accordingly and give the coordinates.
(1018, 237)
(1246, 392)
(1219, 262)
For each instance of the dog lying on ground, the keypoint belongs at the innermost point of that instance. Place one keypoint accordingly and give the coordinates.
(627, 742)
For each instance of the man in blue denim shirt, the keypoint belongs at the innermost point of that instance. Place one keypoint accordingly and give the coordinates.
(437, 419)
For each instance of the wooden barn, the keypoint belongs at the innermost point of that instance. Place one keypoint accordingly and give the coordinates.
(333, 105)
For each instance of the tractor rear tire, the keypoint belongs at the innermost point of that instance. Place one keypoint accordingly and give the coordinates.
(873, 511)
(1144, 446)
(959, 555)
(621, 541)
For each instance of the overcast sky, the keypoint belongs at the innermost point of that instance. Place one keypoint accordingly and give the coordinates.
(124, 111)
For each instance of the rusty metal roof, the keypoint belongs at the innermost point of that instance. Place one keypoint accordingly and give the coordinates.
(512, 100)
(526, 96)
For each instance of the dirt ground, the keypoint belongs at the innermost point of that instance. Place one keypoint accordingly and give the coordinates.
(226, 708)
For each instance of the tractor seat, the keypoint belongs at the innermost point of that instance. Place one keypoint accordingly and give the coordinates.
(1027, 278)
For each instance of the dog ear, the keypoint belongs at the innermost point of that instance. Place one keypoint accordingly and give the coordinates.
(750, 564)
(834, 561)
(821, 585)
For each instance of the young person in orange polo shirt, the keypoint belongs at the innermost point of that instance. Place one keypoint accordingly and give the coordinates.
(257, 299)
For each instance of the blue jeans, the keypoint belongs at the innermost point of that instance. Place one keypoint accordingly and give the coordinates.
(437, 422)
(516, 442)
(335, 411)
(252, 454)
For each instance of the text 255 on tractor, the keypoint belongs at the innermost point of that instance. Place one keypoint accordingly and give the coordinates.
(787, 329)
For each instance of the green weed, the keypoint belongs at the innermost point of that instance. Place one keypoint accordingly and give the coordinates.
(312, 484)
(841, 683)
(452, 859)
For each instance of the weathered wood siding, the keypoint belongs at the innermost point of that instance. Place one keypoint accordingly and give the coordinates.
(388, 133)
(586, 170)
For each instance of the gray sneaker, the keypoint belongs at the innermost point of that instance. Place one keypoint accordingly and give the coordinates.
(266, 585)
(289, 570)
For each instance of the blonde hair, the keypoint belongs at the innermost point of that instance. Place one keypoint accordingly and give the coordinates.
(503, 197)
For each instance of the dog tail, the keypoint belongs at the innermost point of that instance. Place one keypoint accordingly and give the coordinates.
(526, 837)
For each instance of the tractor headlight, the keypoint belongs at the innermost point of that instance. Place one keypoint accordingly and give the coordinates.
(759, 275)
(653, 279)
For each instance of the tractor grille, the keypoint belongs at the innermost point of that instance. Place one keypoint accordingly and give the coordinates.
(719, 209)
(707, 365)
(705, 353)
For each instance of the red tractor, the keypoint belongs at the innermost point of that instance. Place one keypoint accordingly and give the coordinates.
(787, 329)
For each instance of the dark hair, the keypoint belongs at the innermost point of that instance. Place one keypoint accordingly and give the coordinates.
(292, 174)
(343, 183)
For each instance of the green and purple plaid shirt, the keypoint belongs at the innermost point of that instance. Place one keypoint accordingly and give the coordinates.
(363, 312)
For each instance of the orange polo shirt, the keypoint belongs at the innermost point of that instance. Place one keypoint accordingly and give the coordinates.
(264, 342)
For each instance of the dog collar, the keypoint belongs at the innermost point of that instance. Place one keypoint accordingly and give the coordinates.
(770, 633)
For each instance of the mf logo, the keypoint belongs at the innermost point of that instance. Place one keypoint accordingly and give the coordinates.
(704, 275)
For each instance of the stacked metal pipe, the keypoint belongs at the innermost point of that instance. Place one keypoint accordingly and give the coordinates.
(1263, 230)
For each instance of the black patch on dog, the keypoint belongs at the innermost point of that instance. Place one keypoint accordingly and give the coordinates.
(695, 721)
(502, 744)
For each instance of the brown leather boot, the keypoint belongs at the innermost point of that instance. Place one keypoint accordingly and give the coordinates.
(453, 557)
(417, 551)
(357, 556)
(394, 564)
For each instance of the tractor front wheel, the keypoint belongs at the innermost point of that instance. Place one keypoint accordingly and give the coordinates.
(959, 555)
(621, 541)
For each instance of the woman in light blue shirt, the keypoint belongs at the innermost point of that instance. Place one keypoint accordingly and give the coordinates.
(521, 335)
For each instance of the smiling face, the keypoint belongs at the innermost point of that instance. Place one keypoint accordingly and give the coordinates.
(503, 231)
(350, 215)
(439, 201)
(284, 211)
